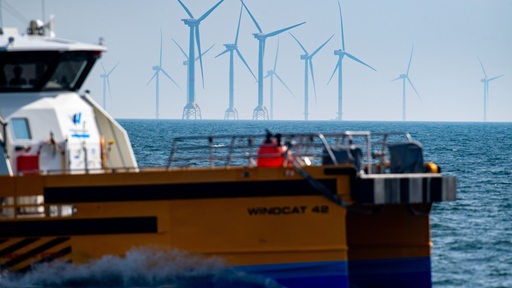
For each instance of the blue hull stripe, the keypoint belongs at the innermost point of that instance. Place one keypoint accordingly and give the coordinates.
(403, 272)
(301, 275)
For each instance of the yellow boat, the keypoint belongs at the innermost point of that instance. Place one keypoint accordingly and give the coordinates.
(307, 210)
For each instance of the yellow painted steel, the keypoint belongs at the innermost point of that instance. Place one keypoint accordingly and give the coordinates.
(240, 230)
(300, 228)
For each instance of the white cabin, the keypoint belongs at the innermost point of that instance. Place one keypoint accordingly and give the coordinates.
(46, 125)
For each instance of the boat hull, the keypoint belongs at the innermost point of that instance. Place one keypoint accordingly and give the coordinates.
(271, 222)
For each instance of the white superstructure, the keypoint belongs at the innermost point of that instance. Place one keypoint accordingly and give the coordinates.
(47, 127)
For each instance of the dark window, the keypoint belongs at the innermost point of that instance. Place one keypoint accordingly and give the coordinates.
(44, 70)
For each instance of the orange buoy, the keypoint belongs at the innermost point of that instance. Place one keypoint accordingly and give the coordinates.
(270, 155)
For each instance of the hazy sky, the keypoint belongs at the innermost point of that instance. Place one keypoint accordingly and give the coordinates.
(448, 37)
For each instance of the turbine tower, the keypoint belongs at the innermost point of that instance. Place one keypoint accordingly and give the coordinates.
(260, 112)
(106, 84)
(185, 62)
(231, 112)
(308, 66)
(339, 65)
(404, 77)
(158, 68)
(191, 109)
(486, 81)
(271, 74)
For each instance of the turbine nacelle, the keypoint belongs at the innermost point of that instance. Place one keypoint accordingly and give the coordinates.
(156, 68)
(339, 52)
(304, 56)
(191, 22)
(260, 36)
(230, 46)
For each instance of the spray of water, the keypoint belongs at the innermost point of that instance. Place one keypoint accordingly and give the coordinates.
(138, 268)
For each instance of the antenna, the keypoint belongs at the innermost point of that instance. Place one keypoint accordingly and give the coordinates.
(1, 14)
(43, 11)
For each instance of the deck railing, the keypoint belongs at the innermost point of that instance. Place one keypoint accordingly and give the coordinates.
(307, 148)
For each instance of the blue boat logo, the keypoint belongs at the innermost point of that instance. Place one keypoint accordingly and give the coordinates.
(76, 118)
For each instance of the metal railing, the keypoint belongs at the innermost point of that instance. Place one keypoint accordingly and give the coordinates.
(307, 148)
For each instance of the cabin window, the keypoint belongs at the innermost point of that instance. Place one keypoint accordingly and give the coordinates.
(21, 129)
(27, 71)
(67, 74)
(21, 75)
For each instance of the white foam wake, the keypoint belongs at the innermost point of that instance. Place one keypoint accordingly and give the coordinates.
(138, 268)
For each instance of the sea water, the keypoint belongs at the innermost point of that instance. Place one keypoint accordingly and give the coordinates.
(472, 237)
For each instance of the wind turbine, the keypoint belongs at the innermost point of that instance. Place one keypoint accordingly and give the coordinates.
(339, 65)
(260, 112)
(271, 74)
(231, 112)
(486, 81)
(191, 109)
(185, 62)
(106, 84)
(158, 68)
(308, 66)
(404, 77)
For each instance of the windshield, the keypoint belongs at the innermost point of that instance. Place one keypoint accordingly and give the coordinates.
(44, 70)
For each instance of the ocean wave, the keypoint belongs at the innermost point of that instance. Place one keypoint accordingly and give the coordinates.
(138, 268)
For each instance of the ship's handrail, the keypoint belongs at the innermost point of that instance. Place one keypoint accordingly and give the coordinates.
(308, 148)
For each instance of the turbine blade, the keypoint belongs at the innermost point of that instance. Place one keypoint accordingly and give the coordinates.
(186, 9)
(181, 49)
(151, 79)
(170, 78)
(198, 41)
(359, 61)
(300, 44)
(160, 48)
(342, 34)
(252, 17)
(238, 27)
(284, 84)
(410, 59)
(112, 70)
(494, 78)
(482, 65)
(103, 67)
(312, 76)
(397, 78)
(321, 46)
(209, 11)
(410, 82)
(334, 72)
(282, 30)
(277, 53)
(202, 54)
(245, 62)
(222, 53)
